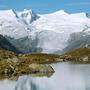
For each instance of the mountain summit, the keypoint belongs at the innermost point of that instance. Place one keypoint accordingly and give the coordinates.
(28, 16)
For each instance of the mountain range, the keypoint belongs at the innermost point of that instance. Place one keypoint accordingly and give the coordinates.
(46, 33)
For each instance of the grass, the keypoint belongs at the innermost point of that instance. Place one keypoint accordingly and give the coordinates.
(40, 58)
(4, 54)
(81, 55)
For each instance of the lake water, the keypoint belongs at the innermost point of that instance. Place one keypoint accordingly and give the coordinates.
(66, 77)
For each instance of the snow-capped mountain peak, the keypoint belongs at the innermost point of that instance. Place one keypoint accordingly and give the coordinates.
(28, 16)
(60, 12)
(79, 15)
(8, 14)
(50, 31)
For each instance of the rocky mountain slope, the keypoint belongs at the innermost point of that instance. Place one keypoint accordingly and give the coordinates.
(78, 40)
(5, 44)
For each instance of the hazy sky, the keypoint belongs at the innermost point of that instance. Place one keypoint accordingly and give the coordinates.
(47, 6)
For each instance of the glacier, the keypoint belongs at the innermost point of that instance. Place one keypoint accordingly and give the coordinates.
(52, 30)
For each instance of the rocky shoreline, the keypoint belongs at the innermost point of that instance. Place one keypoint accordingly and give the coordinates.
(13, 65)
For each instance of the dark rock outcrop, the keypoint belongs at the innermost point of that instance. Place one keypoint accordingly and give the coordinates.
(5, 44)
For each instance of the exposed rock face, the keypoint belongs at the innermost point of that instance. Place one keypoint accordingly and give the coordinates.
(79, 40)
(85, 58)
(28, 16)
(25, 44)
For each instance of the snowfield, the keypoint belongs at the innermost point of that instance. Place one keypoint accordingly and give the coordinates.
(52, 30)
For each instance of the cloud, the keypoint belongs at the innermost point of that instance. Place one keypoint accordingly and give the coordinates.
(78, 4)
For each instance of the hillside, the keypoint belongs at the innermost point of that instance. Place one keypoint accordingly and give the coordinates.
(25, 44)
(12, 66)
(5, 44)
(41, 58)
(81, 55)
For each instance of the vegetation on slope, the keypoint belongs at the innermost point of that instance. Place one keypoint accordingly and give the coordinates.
(79, 55)
(14, 65)
(40, 58)
(11, 66)
(4, 54)
(12, 70)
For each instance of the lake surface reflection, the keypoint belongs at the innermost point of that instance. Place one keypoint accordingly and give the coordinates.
(66, 77)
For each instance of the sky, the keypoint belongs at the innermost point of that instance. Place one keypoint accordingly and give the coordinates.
(47, 6)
